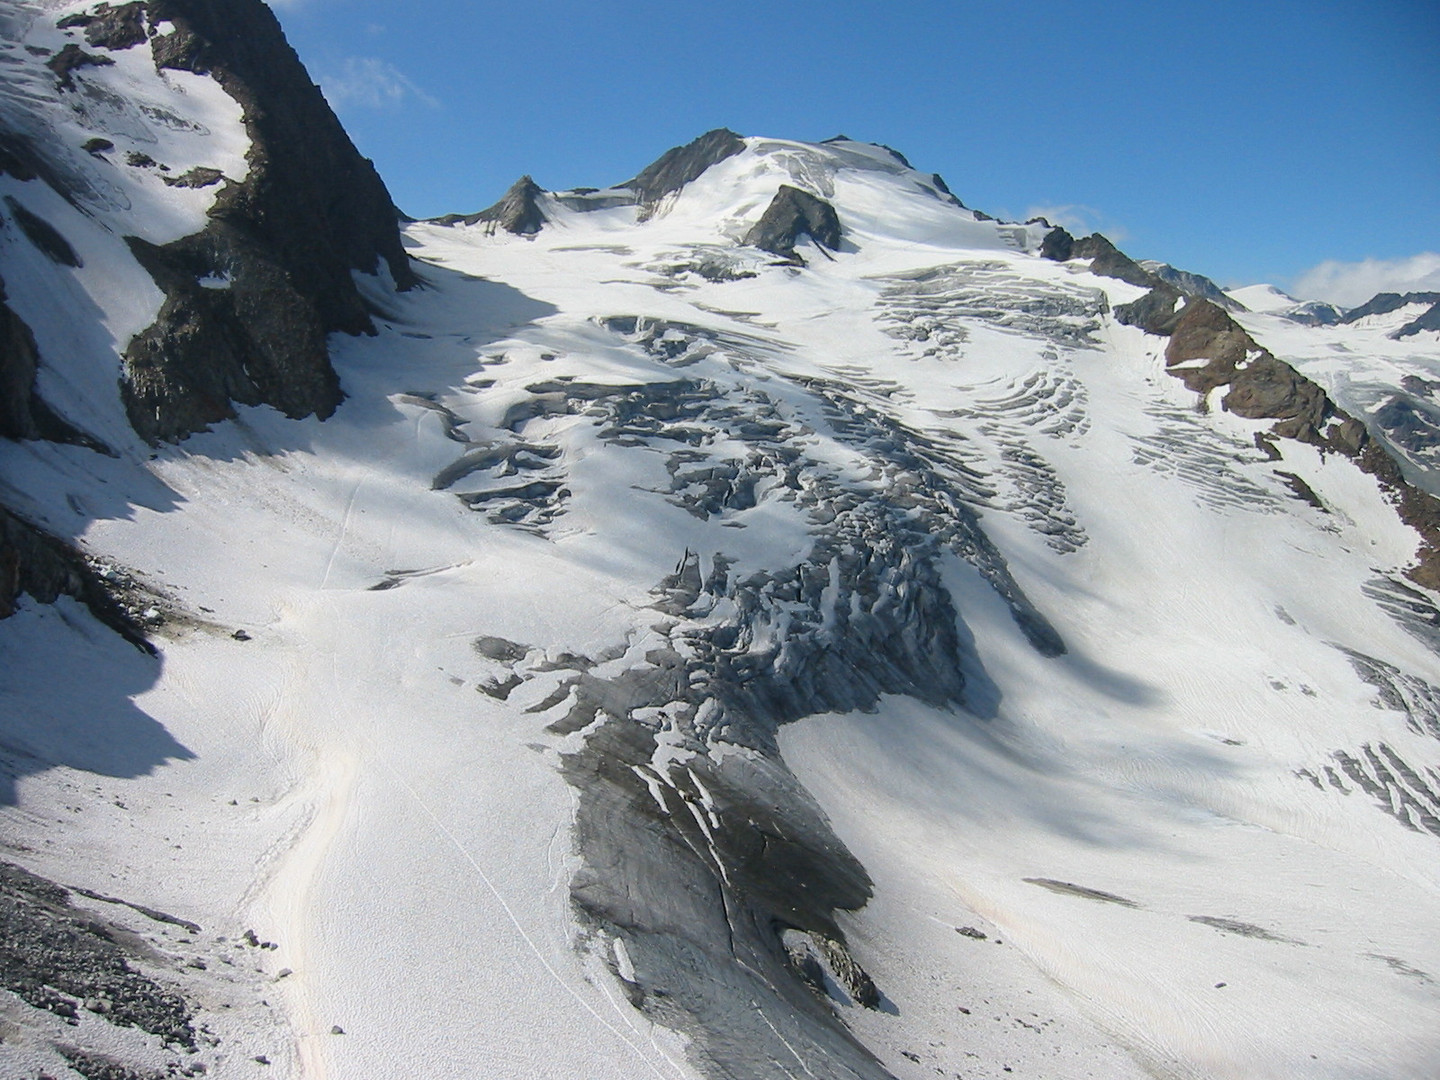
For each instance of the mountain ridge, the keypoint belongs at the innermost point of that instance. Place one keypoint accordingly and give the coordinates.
(877, 642)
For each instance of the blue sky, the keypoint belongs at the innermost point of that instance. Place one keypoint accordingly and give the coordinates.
(1273, 141)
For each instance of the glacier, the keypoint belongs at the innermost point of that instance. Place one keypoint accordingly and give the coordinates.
(847, 648)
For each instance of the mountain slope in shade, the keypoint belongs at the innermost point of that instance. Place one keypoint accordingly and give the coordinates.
(880, 657)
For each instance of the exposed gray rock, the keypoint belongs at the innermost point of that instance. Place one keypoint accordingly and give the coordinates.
(1314, 313)
(679, 165)
(198, 177)
(518, 211)
(1261, 387)
(1191, 284)
(1156, 312)
(1058, 245)
(109, 27)
(792, 214)
(258, 341)
(310, 211)
(71, 59)
(1105, 258)
(37, 564)
(1430, 320)
(1410, 423)
(1109, 261)
(1386, 302)
(57, 958)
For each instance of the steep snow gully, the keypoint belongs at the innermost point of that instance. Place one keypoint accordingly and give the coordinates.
(759, 619)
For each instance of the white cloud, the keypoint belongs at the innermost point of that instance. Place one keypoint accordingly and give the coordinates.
(1079, 220)
(1351, 284)
(367, 83)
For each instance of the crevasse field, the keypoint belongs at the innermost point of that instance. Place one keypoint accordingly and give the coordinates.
(1199, 843)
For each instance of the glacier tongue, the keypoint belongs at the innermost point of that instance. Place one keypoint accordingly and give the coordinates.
(667, 661)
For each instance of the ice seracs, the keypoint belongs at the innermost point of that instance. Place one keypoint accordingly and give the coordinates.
(968, 651)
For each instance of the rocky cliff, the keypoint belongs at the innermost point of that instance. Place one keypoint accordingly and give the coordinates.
(283, 243)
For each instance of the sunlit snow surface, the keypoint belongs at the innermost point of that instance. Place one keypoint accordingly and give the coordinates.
(1201, 843)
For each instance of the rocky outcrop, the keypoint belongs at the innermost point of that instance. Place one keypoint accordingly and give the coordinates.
(1105, 258)
(1314, 313)
(255, 341)
(1428, 321)
(1262, 387)
(1156, 312)
(1058, 245)
(517, 212)
(109, 27)
(34, 563)
(1191, 284)
(71, 58)
(1386, 302)
(309, 213)
(679, 165)
(57, 958)
(792, 214)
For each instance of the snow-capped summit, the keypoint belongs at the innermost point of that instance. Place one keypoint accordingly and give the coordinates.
(759, 619)
(1266, 299)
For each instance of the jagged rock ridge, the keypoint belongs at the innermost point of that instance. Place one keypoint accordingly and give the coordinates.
(1262, 387)
(517, 212)
(310, 211)
(675, 168)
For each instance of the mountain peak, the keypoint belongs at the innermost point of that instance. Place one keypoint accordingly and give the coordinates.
(679, 165)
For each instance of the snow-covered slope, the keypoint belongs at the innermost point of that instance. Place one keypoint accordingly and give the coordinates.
(859, 659)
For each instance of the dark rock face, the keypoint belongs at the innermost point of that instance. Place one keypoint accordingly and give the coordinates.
(1058, 245)
(256, 340)
(70, 59)
(198, 177)
(310, 211)
(42, 234)
(1315, 313)
(792, 214)
(1263, 387)
(1428, 321)
(1386, 302)
(517, 212)
(1105, 258)
(1109, 261)
(23, 415)
(109, 27)
(32, 561)
(679, 165)
(1191, 284)
(37, 564)
(1411, 423)
(1156, 312)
